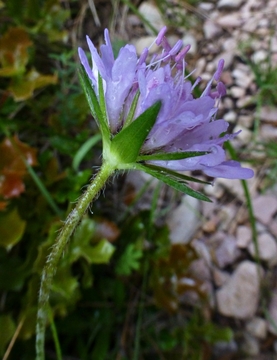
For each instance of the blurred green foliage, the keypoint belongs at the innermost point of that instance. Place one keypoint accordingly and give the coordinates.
(48, 146)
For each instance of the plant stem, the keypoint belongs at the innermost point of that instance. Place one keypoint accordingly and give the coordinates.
(50, 267)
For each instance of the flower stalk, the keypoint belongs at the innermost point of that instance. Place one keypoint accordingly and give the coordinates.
(51, 265)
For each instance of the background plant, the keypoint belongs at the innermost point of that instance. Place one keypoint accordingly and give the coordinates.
(112, 293)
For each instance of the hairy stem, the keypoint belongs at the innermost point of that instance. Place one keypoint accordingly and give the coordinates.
(50, 267)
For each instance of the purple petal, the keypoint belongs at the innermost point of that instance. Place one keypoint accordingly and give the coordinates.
(229, 170)
(120, 84)
(97, 63)
(84, 62)
(107, 52)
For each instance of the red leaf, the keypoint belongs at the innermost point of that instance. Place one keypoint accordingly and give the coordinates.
(12, 166)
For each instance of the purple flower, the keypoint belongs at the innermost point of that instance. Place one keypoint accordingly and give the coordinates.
(183, 123)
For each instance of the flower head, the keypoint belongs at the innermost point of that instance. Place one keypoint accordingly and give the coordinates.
(184, 124)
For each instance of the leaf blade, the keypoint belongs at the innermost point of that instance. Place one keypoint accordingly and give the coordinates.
(177, 185)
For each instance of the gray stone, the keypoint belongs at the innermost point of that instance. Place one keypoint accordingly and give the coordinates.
(240, 295)
(151, 13)
(189, 39)
(245, 101)
(267, 248)
(144, 42)
(268, 132)
(220, 277)
(237, 91)
(265, 206)
(229, 4)
(230, 20)
(184, 220)
(244, 136)
(243, 77)
(211, 29)
(268, 114)
(227, 252)
(259, 56)
(230, 116)
(257, 327)
(246, 120)
(244, 236)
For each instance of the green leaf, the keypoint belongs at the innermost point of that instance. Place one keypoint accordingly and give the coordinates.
(65, 286)
(172, 156)
(171, 181)
(12, 228)
(102, 342)
(177, 175)
(7, 327)
(81, 246)
(13, 272)
(84, 149)
(128, 142)
(129, 260)
(100, 253)
(94, 105)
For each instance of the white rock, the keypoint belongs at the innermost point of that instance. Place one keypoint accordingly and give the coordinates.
(189, 39)
(202, 250)
(268, 114)
(230, 44)
(244, 236)
(237, 92)
(144, 42)
(230, 116)
(273, 228)
(231, 4)
(211, 66)
(214, 190)
(267, 248)
(184, 220)
(246, 120)
(227, 215)
(227, 252)
(244, 136)
(234, 186)
(206, 6)
(259, 56)
(227, 101)
(261, 228)
(245, 101)
(220, 277)
(211, 29)
(243, 77)
(268, 132)
(273, 44)
(230, 20)
(240, 295)
(152, 14)
(200, 270)
(227, 56)
(257, 327)
(265, 206)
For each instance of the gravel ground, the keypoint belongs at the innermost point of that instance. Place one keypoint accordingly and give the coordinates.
(242, 33)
